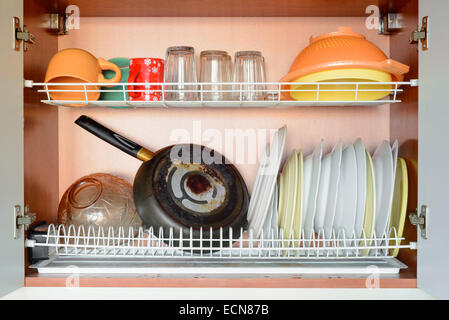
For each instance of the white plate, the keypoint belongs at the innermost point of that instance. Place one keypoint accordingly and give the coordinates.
(269, 227)
(347, 201)
(267, 174)
(333, 189)
(257, 183)
(307, 178)
(265, 182)
(274, 216)
(360, 155)
(323, 191)
(312, 170)
(394, 152)
(383, 172)
(370, 205)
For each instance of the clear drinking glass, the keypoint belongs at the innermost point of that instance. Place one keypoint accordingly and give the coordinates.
(180, 68)
(249, 66)
(215, 67)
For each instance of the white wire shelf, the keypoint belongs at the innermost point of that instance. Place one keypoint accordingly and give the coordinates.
(181, 244)
(238, 94)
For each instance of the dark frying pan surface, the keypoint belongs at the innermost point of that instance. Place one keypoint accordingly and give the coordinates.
(191, 192)
(198, 194)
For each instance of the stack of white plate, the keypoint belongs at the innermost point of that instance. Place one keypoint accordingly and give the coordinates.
(345, 194)
(265, 182)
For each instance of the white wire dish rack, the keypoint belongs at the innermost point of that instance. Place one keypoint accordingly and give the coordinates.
(274, 94)
(96, 250)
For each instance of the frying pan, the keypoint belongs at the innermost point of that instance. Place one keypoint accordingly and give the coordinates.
(184, 186)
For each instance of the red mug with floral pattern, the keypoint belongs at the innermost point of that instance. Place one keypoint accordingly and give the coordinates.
(145, 70)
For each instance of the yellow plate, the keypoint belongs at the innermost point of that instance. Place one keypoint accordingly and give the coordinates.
(370, 204)
(283, 190)
(290, 186)
(370, 76)
(399, 206)
(281, 203)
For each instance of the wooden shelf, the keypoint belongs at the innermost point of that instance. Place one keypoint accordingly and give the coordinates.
(223, 8)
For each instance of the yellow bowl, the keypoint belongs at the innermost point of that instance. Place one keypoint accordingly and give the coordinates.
(370, 76)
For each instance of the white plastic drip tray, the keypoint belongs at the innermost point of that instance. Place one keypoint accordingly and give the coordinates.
(181, 266)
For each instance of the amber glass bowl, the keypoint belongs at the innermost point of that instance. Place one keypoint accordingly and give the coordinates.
(100, 200)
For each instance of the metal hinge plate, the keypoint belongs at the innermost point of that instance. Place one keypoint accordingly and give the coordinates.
(20, 35)
(58, 23)
(390, 23)
(22, 220)
(421, 35)
(420, 220)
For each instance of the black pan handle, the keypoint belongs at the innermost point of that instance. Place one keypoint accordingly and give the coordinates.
(118, 141)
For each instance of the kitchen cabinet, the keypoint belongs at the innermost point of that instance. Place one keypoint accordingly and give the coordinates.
(44, 152)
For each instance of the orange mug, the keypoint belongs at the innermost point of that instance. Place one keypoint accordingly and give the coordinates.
(74, 66)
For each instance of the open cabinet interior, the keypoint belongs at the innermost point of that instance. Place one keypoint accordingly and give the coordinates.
(57, 152)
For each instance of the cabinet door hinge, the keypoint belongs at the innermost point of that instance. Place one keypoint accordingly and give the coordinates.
(22, 220)
(58, 23)
(420, 220)
(421, 35)
(391, 23)
(21, 35)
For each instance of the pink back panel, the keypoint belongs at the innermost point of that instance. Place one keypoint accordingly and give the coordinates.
(279, 39)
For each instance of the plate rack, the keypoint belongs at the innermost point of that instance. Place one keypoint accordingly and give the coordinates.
(94, 250)
(144, 243)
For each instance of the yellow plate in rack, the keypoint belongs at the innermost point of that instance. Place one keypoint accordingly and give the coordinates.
(343, 92)
(289, 189)
(298, 214)
(370, 204)
(281, 203)
(399, 205)
(282, 197)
